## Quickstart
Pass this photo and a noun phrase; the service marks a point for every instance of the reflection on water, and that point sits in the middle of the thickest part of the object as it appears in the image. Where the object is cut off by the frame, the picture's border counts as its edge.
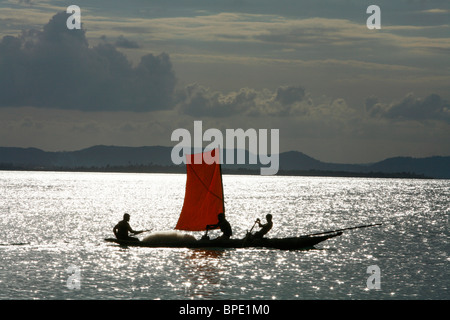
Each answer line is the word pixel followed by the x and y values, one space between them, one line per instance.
pixel 51 221
pixel 203 274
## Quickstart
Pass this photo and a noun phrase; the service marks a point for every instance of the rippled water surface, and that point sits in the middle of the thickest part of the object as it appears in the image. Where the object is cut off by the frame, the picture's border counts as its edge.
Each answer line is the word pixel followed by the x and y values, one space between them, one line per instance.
pixel 53 221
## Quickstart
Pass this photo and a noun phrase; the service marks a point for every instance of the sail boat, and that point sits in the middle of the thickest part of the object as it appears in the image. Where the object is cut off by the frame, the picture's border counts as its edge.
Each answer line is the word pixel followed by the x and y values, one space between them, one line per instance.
pixel 203 201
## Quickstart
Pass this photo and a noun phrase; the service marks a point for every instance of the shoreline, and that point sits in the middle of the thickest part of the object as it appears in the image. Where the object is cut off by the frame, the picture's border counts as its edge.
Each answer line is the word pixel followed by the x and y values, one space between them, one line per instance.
pixel 225 171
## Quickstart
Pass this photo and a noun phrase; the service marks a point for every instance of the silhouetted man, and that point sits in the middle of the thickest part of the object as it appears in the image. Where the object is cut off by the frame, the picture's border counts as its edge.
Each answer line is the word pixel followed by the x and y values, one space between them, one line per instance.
pixel 264 227
pixel 224 226
pixel 123 227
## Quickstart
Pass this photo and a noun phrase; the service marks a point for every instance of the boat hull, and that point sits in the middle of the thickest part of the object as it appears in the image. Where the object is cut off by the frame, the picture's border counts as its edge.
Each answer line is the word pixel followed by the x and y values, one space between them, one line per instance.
pixel 292 243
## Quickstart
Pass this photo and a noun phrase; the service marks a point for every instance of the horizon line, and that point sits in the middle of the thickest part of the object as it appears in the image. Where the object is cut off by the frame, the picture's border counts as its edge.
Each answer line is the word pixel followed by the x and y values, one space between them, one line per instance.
pixel 246 150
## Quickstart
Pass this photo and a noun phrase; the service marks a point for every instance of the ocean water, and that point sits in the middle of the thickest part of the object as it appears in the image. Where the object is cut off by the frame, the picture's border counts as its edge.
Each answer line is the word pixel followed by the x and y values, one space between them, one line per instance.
pixel 53 226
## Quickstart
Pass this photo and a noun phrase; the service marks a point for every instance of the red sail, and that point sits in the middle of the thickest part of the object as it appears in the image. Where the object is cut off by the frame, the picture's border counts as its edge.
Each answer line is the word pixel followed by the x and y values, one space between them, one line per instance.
pixel 203 199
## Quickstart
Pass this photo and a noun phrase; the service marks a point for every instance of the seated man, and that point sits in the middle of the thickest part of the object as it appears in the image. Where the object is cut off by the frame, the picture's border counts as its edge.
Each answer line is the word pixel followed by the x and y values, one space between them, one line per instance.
pixel 264 227
pixel 224 226
pixel 123 227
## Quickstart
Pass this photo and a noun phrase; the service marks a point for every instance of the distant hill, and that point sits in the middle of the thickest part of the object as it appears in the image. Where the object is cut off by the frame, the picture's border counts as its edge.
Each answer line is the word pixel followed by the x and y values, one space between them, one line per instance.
pixel 295 160
pixel 436 167
pixel 98 157
pixel 433 167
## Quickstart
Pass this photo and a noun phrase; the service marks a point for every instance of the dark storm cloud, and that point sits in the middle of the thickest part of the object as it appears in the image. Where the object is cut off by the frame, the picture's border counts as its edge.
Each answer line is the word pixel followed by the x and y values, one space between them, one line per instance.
pixel 56 68
pixel 200 101
pixel 123 42
pixel 290 95
pixel 433 107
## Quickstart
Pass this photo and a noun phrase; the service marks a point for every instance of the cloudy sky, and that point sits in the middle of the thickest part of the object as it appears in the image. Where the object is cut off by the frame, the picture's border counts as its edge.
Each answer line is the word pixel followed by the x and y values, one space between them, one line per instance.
pixel 139 69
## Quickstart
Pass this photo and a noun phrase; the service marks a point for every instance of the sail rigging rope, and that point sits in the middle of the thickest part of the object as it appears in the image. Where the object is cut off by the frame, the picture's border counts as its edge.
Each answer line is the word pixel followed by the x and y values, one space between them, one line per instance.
pixel 204 184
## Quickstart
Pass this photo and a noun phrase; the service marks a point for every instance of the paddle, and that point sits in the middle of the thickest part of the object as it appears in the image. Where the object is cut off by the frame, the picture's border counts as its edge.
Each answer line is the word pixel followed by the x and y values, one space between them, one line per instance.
pixel 139 232
pixel 205 236
pixel 257 220
pixel 339 230
pixel 249 233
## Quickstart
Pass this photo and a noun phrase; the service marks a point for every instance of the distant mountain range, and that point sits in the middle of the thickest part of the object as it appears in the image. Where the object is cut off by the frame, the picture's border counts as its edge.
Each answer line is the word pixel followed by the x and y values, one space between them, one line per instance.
pixel 158 158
